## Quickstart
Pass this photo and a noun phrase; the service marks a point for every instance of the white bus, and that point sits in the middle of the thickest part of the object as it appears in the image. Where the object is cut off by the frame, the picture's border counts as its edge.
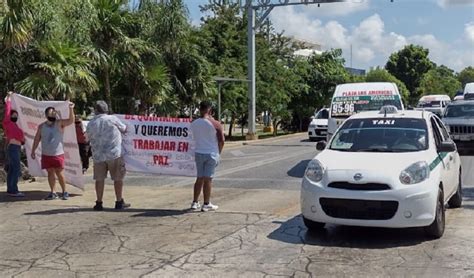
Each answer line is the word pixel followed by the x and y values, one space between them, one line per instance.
pixel 469 91
pixel 352 98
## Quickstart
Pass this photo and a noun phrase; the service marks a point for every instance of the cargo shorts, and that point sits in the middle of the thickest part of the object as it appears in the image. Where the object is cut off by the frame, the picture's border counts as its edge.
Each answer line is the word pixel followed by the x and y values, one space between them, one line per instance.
pixel 115 167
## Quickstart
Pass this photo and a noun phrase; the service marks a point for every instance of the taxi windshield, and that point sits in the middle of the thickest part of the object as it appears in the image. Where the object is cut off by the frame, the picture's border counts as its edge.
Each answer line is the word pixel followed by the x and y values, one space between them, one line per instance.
pixel 381 135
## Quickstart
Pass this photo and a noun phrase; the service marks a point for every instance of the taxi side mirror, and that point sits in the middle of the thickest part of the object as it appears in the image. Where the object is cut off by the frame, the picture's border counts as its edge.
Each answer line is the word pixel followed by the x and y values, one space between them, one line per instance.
pixel 447 146
pixel 321 145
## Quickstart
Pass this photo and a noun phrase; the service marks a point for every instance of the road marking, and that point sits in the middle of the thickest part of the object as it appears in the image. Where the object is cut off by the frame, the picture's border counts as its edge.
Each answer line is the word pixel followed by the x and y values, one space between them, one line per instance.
pixel 237 153
pixel 295 180
pixel 240 168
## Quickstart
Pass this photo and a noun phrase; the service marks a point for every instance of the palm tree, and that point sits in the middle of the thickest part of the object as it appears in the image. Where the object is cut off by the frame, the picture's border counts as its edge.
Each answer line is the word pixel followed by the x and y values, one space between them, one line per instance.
pixel 189 70
pixel 17 23
pixel 63 71
pixel 141 70
pixel 106 36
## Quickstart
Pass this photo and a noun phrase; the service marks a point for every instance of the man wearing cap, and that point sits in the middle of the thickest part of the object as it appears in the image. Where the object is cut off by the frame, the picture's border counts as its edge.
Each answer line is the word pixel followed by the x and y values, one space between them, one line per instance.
pixel 105 136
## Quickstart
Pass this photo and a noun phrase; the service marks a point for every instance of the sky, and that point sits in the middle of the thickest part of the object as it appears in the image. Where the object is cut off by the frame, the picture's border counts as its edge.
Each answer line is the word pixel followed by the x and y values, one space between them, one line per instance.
pixel 377 28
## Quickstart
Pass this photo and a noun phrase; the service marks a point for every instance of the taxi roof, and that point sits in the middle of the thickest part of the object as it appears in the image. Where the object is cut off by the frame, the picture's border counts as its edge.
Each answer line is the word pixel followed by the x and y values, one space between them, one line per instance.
pixel 412 114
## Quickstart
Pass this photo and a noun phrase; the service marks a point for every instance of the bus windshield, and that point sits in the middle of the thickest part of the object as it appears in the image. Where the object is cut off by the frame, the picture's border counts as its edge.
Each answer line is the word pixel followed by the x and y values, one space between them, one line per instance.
pixel 347 106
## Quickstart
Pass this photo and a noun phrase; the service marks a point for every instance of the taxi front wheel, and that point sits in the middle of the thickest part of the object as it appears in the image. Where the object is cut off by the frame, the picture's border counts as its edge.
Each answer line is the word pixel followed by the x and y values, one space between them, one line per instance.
pixel 313 225
pixel 456 200
pixel 436 229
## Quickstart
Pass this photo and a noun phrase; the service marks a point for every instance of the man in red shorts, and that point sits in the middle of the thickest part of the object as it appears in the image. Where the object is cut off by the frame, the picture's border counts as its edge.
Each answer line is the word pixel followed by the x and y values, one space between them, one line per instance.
pixel 50 134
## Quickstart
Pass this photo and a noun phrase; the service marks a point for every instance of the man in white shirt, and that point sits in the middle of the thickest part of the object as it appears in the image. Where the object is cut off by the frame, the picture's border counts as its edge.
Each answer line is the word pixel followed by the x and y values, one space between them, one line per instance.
pixel 105 134
pixel 209 137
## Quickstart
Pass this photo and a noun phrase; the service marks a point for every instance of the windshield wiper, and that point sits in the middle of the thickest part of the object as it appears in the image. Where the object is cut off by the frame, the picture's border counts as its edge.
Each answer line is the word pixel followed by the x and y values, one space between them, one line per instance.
pixel 376 150
pixel 341 150
pixel 405 150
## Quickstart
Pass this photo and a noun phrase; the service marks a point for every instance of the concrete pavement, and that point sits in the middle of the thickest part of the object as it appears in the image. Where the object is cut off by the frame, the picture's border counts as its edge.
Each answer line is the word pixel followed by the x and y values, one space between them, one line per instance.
pixel 257 231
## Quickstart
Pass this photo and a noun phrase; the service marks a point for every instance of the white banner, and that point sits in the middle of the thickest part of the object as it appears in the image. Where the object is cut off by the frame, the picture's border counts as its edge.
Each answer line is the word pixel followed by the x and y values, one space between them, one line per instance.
pixel 159 145
pixel 30 116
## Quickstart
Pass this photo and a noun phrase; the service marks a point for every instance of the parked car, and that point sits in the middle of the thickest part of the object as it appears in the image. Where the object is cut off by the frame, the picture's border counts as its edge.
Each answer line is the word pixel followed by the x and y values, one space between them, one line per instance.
pixel 434 103
pixel 458 96
pixel 459 119
pixel 318 128
pixel 384 169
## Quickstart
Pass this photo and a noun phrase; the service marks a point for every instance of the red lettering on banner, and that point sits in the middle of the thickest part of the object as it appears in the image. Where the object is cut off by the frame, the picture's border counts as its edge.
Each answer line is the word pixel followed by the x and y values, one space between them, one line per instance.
pixel 160 160
pixel 183 147
pixel 129 117
pixel 32 126
pixel 141 144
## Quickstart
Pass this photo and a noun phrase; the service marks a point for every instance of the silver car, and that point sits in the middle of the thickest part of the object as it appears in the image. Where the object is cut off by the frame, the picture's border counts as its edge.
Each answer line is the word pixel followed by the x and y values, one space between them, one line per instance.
pixel 459 119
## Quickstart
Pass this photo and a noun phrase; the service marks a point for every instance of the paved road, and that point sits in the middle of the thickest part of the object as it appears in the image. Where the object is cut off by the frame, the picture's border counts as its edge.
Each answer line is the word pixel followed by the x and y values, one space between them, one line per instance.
pixel 256 233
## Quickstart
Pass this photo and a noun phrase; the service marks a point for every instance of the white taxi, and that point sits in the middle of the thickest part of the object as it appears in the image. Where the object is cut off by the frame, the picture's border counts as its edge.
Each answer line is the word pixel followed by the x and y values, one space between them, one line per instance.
pixel 390 168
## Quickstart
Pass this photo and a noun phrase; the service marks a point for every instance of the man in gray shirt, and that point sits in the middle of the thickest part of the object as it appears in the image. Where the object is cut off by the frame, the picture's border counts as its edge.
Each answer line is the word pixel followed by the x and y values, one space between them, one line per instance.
pixel 105 135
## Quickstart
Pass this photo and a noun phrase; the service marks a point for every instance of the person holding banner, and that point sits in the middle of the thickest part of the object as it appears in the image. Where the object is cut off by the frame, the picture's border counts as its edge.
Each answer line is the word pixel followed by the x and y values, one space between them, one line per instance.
pixel 105 136
pixel 209 138
pixel 15 138
pixel 50 134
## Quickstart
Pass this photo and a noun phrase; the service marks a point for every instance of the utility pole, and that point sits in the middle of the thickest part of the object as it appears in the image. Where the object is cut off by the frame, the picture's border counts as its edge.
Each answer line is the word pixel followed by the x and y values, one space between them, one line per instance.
pixel 252 130
pixel 253 23
pixel 351 55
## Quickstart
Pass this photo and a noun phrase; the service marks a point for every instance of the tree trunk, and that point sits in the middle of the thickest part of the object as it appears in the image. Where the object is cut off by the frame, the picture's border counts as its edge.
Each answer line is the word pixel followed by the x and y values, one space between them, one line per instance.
pixel 301 123
pixel 275 127
pixel 108 95
pixel 231 125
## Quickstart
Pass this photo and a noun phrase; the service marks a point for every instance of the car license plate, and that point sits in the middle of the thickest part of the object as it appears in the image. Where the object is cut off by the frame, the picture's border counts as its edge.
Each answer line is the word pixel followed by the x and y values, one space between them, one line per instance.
pixel 323 132
pixel 465 138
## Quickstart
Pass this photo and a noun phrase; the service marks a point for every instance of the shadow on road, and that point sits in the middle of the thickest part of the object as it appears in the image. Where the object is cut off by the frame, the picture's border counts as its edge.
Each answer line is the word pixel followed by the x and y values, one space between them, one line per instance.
pixel 468 194
pixel 297 171
pixel 35 195
pixel 293 231
pixel 140 212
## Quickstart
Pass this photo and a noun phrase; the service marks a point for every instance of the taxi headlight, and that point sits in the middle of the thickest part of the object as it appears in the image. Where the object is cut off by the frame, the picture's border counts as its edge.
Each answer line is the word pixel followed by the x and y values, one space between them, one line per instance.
pixel 314 171
pixel 415 173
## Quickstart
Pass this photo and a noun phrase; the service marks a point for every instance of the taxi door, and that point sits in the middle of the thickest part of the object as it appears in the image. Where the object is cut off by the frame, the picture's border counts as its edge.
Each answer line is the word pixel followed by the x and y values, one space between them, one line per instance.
pixel 448 161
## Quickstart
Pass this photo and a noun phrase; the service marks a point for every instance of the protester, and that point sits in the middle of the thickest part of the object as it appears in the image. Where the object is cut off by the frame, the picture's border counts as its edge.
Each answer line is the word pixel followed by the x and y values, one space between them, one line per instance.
pixel 83 143
pixel 50 134
pixel 15 138
pixel 105 136
pixel 209 137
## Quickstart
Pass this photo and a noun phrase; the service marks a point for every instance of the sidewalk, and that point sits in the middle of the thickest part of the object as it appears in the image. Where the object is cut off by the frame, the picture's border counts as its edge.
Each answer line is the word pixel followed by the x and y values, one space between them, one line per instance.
pixel 60 238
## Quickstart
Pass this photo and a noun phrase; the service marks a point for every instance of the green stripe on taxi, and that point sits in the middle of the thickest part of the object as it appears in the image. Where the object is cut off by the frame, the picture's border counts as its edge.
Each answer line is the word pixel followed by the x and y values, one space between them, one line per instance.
pixel 437 160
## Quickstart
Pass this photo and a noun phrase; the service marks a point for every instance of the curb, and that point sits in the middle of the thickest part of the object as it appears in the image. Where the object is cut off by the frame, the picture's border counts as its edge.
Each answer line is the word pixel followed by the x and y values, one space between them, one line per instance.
pixel 271 139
